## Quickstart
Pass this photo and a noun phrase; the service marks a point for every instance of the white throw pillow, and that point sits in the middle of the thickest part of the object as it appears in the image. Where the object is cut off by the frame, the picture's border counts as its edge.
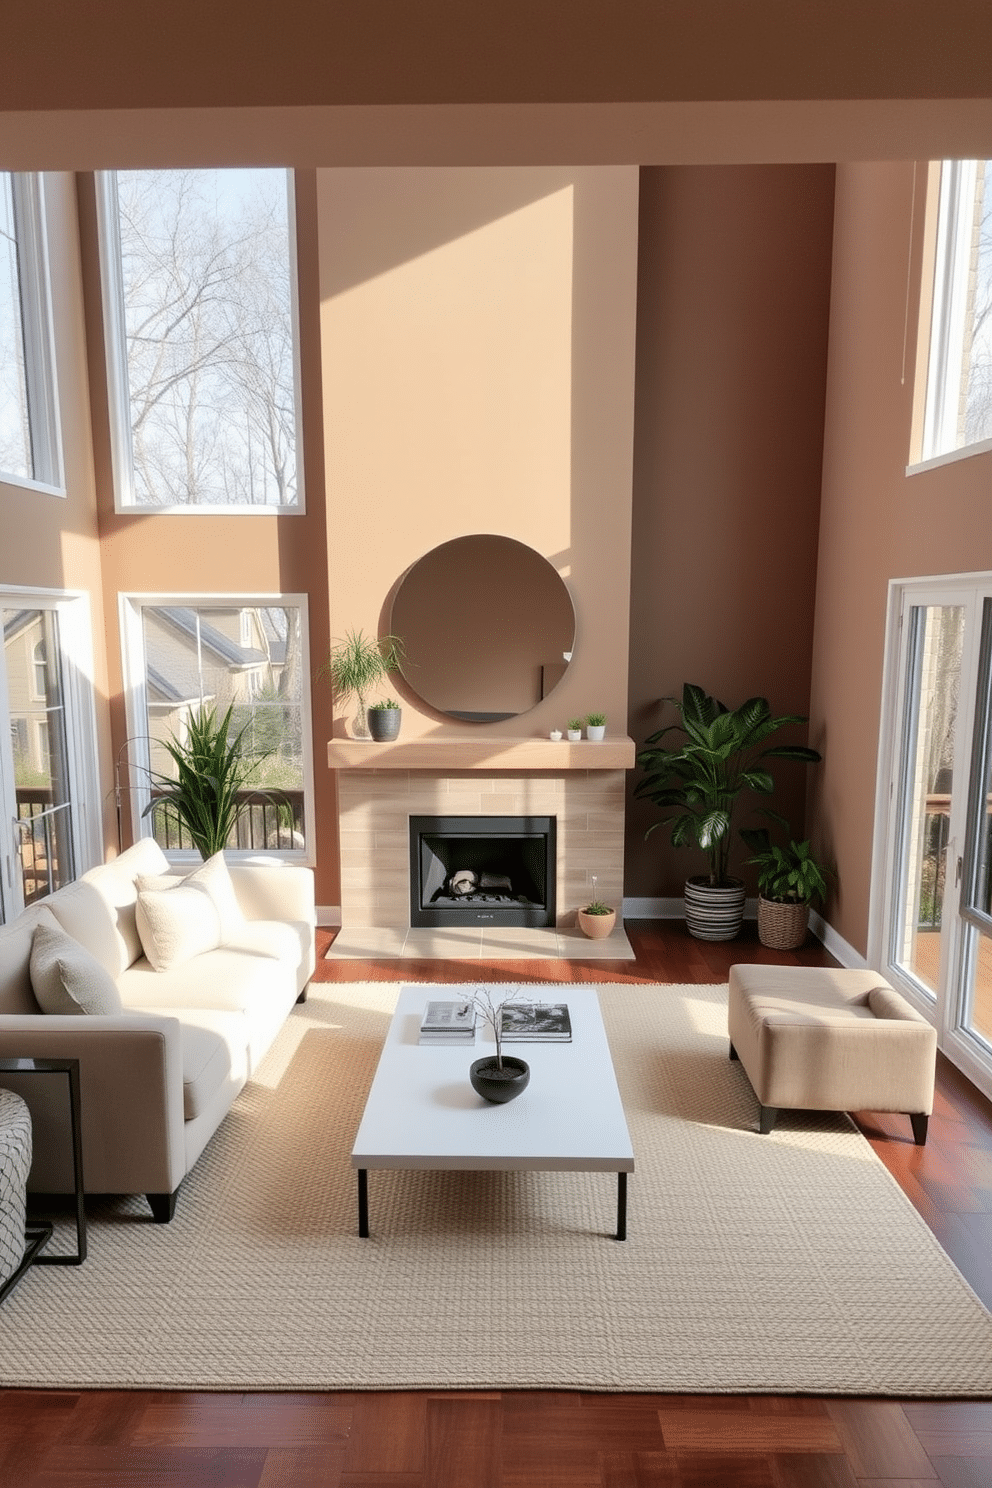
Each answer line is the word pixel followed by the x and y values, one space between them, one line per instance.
pixel 214 878
pixel 66 978
pixel 176 924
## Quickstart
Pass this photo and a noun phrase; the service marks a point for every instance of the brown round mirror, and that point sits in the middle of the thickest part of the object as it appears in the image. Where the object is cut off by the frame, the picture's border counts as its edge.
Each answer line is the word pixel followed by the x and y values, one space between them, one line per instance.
pixel 487 625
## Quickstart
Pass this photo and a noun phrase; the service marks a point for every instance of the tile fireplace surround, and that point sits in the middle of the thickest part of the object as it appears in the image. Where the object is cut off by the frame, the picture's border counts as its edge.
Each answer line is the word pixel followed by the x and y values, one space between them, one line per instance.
pixel 380 786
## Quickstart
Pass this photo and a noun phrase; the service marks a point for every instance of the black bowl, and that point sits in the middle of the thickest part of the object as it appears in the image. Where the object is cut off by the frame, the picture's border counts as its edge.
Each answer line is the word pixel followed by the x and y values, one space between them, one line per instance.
pixel 499 1085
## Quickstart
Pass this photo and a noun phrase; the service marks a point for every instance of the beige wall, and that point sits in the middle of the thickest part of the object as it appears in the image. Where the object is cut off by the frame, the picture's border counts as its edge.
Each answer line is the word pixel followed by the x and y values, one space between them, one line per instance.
pixel 214 554
pixel 52 542
pixel 733 294
pixel 478 351
pixel 877 523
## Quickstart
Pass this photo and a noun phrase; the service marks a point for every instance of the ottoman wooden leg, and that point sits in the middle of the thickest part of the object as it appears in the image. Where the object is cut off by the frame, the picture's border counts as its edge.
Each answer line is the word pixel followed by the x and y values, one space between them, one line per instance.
pixel 920 1120
pixel 769 1116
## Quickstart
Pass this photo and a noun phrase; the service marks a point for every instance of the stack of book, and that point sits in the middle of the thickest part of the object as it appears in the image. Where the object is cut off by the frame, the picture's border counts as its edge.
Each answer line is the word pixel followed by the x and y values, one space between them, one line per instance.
pixel 448 1023
pixel 536 1023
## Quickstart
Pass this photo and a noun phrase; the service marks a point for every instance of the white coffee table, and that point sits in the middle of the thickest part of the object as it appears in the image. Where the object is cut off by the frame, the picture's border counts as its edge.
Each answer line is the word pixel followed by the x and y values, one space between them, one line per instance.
pixel 422 1112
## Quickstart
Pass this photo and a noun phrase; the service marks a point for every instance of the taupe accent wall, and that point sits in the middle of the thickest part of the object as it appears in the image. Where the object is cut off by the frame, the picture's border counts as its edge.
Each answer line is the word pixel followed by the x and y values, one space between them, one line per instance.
pixel 733 300
pixel 877 522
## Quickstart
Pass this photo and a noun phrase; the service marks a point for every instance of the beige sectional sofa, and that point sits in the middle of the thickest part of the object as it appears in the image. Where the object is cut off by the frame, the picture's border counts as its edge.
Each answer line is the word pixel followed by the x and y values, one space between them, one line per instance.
pixel 158 1075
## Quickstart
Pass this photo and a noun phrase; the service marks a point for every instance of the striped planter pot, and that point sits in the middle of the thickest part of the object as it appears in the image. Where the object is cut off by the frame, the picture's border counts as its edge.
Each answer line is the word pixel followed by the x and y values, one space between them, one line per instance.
pixel 714 913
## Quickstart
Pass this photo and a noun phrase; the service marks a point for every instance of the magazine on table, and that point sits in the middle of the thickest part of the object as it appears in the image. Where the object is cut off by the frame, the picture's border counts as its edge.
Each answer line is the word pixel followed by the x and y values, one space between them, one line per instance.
pixel 448 1022
pixel 536 1022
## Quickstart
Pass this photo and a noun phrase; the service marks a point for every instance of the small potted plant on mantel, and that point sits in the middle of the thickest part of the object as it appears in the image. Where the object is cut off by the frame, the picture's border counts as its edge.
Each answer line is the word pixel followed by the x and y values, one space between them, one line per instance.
pixel 384 720
pixel 789 879
pixel 575 729
pixel 596 727
pixel 359 664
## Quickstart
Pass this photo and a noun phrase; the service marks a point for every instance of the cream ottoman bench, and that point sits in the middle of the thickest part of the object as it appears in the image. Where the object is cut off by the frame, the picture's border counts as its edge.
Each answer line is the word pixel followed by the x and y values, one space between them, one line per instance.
pixel 817 1038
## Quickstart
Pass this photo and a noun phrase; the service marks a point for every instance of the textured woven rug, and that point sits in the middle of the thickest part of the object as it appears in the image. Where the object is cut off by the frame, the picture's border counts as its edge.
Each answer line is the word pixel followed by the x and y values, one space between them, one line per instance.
pixel 784 1263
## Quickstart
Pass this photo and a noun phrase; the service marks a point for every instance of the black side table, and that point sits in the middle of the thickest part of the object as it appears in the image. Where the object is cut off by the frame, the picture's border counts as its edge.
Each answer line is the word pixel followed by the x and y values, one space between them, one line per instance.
pixel 70 1069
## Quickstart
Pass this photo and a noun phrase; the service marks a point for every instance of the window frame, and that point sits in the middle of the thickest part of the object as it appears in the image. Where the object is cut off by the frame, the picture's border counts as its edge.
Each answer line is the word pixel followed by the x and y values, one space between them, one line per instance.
pixel 75 632
pixel 38 332
pixel 944 323
pixel 133 757
pixel 118 391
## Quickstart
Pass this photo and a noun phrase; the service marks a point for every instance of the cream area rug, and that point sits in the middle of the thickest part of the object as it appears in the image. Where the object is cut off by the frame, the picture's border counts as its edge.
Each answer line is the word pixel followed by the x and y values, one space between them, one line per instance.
pixel 783 1263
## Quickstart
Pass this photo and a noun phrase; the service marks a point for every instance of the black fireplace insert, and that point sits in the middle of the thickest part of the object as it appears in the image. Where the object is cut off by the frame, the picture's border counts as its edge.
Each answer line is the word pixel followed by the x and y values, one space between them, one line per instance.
pixel 482 870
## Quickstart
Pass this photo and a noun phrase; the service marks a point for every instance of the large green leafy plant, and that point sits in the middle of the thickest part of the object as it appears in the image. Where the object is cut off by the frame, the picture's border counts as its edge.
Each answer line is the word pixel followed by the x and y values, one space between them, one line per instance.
pixel 699 777
pixel 212 769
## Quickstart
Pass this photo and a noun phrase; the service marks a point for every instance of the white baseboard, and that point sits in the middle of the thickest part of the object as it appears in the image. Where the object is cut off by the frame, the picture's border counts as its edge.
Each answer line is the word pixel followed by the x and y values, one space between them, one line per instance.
pixel 835 943
pixel 328 914
pixel 671 909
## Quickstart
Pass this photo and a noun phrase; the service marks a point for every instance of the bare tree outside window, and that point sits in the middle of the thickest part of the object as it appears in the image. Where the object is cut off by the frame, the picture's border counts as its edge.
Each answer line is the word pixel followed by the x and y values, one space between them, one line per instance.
pixel 208 324
pixel 978 338
pixel 15 429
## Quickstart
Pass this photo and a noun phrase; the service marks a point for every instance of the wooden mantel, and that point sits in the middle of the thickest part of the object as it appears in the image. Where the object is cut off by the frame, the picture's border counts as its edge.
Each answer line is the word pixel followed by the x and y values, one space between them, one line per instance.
pixel 490 756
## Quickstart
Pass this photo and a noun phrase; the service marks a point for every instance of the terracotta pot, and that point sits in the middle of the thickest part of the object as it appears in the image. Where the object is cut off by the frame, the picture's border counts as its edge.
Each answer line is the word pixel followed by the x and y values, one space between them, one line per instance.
pixel 597 926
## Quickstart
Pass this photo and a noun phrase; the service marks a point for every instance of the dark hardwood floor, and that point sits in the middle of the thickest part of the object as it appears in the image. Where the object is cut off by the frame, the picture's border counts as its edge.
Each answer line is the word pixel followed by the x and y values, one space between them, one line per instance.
pixel 533 1439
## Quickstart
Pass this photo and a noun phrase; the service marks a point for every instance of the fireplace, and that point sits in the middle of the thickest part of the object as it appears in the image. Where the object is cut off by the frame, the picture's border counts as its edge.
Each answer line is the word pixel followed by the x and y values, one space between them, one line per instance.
pixel 482 870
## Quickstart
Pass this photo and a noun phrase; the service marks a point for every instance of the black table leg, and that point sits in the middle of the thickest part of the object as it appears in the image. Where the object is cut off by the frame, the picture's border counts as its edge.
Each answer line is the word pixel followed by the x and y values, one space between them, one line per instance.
pixel 363 1203
pixel 621 1206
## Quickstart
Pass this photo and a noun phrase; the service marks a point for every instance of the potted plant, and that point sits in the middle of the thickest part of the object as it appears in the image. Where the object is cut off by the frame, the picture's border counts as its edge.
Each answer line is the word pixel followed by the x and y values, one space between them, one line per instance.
pixel 596 919
pixel 357 665
pixel 384 720
pixel 497 1077
pixel 575 729
pixel 789 879
pixel 596 726
pixel 699 779
pixel 206 796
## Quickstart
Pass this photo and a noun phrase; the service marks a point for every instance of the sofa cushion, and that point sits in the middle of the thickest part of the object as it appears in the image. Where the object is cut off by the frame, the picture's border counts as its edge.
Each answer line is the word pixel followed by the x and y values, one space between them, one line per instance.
pixel 215 880
pixel 284 942
pixel 120 943
pixel 65 977
pixel 224 980
pixel 176 924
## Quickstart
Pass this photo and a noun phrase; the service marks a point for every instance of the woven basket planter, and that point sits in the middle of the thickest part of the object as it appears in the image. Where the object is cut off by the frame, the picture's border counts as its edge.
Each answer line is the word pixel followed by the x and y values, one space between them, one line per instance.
pixel 782 927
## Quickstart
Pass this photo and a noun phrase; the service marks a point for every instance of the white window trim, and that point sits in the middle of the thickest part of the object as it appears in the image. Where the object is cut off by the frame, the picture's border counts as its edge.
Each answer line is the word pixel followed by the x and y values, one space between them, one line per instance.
pixel 118 391
pixel 76 645
pixel 952 265
pixel 39 338
pixel 136 712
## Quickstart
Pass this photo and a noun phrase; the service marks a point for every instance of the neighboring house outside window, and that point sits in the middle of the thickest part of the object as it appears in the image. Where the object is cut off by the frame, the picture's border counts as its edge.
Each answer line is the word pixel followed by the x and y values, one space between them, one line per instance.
pixel 200 325
pixel 30 447
pixel 184 656
pixel 958 407
pixel 48 782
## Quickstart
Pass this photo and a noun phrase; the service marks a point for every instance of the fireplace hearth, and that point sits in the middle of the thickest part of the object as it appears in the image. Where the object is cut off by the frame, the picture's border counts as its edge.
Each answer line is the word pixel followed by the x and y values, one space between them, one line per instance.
pixel 482 870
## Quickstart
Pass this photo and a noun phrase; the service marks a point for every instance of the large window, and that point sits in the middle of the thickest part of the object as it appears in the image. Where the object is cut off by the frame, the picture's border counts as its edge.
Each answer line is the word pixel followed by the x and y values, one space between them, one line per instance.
pixel 185 654
pixel 29 441
pixel 958 412
pixel 199 295
pixel 49 794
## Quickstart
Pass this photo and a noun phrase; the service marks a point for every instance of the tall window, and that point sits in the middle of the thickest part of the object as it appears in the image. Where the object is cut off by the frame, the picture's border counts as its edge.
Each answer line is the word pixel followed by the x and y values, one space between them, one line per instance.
pixel 958 413
pixel 29 441
pixel 199 293
pixel 49 793
pixel 185 655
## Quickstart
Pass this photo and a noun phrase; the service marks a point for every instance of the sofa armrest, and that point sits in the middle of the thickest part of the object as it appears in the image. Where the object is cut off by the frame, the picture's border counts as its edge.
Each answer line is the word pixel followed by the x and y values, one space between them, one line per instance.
pixel 280 891
pixel 131 1097
pixel 274 891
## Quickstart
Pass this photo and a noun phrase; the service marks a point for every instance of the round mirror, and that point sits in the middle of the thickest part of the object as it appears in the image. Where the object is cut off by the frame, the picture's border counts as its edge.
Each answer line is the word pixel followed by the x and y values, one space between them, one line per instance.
pixel 487 625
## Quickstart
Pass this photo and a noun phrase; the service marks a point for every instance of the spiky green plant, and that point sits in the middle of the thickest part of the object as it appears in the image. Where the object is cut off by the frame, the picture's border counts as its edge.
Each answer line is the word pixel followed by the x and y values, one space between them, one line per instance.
pixel 211 770
pixel 698 780
pixel 360 663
